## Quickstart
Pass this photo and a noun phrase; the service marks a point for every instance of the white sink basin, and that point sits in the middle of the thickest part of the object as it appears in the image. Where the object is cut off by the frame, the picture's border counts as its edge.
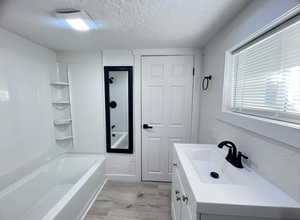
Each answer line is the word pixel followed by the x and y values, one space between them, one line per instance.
pixel 207 160
pixel 241 192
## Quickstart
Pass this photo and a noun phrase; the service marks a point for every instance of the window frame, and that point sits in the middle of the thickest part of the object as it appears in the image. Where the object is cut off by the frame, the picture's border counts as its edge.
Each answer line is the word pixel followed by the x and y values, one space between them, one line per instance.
pixel 286 132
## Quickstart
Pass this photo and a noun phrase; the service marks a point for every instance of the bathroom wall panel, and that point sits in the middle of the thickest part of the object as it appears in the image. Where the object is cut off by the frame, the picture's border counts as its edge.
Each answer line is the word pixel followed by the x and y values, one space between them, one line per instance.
pixel 26 128
pixel 276 161
pixel 87 95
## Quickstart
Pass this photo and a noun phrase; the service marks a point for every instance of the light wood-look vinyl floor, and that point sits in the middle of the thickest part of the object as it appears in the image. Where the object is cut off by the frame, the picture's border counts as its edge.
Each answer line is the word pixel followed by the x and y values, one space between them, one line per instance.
pixel 132 201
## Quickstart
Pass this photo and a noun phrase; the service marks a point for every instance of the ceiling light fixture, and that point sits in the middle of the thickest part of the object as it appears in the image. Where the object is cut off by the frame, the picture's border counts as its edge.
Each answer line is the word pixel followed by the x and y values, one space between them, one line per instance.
pixel 78 24
pixel 79 20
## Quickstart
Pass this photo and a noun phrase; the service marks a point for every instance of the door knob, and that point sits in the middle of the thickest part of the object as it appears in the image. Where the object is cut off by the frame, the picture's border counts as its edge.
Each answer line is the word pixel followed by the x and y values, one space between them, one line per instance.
pixel 146 126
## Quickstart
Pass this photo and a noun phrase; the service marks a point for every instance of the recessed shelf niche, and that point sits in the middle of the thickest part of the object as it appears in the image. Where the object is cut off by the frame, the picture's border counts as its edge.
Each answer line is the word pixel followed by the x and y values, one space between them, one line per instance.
pixel 61 103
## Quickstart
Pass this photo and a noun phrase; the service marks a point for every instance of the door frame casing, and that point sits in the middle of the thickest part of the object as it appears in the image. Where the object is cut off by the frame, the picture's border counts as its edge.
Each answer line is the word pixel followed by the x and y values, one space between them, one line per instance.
pixel 137 88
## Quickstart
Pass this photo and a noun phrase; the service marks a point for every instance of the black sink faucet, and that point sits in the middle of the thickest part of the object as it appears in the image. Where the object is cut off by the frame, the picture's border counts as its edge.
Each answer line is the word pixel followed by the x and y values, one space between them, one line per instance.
pixel 233 157
pixel 238 162
pixel 232 152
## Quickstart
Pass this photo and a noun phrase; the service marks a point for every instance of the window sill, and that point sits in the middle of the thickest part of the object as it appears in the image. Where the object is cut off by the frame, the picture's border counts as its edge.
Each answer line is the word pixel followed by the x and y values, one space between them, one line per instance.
pixel 284 132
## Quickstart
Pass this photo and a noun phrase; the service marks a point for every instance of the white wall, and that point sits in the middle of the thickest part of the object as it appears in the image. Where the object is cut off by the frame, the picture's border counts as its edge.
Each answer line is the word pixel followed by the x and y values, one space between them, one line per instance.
pixel 276 161
pixel 117 58
pixel 87 100
pixel 26 128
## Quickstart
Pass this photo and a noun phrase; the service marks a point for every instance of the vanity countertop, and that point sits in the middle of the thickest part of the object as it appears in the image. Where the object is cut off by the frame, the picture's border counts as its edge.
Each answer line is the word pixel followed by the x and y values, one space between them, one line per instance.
pixel 240 192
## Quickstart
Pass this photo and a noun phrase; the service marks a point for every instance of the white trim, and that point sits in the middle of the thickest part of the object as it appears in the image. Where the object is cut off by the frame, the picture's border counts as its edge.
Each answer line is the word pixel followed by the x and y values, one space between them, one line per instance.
pixel 167 52
pixel 138 53
pixel 137 115
pixel 122 177
pixel 281 131
pixel 196 98
pixel 287 133
pixel 102 87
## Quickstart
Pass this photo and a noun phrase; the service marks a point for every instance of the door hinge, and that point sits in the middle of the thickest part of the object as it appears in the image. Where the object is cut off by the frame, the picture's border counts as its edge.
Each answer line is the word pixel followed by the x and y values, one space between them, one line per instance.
pixel 193 71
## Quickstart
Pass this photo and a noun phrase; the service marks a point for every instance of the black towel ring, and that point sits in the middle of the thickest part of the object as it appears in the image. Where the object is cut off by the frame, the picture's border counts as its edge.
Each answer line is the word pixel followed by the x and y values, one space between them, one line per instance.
pixel 205 82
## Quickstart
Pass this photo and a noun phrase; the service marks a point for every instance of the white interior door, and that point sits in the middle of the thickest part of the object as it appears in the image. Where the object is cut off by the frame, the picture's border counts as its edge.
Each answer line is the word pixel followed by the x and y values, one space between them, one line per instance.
pixel 167 85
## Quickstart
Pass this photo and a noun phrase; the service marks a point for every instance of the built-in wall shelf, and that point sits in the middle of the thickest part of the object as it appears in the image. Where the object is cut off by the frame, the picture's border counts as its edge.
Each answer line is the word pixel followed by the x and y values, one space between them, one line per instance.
pixel 62 122
pixel 61 102
pixel 59 84
pixel 64 138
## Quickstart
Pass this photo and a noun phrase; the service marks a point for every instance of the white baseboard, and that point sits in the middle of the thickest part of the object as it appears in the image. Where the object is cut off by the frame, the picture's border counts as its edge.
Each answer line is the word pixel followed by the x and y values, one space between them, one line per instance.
pixel 122 177
pixel 91 202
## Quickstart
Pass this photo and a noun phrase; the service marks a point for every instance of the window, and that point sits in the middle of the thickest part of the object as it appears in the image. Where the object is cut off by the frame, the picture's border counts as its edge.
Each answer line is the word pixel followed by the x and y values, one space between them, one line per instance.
pixel 266 75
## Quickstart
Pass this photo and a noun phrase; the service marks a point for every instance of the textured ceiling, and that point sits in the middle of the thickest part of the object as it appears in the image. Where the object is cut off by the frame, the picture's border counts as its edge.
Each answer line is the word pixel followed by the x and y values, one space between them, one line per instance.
pixel 121 23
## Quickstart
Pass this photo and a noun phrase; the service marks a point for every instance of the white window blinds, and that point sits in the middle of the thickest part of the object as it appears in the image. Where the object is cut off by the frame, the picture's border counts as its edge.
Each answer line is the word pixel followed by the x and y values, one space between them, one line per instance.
pixel 267 76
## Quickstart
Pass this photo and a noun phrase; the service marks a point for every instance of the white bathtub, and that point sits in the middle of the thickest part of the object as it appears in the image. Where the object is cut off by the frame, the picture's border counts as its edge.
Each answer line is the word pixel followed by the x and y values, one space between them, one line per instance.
pixel 62 189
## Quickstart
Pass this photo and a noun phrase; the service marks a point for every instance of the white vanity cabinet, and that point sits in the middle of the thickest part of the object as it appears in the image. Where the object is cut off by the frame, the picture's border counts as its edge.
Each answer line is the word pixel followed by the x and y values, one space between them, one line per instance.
pixel 196 196
pixel 183 202
pixel 183 210
pixel 176 197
